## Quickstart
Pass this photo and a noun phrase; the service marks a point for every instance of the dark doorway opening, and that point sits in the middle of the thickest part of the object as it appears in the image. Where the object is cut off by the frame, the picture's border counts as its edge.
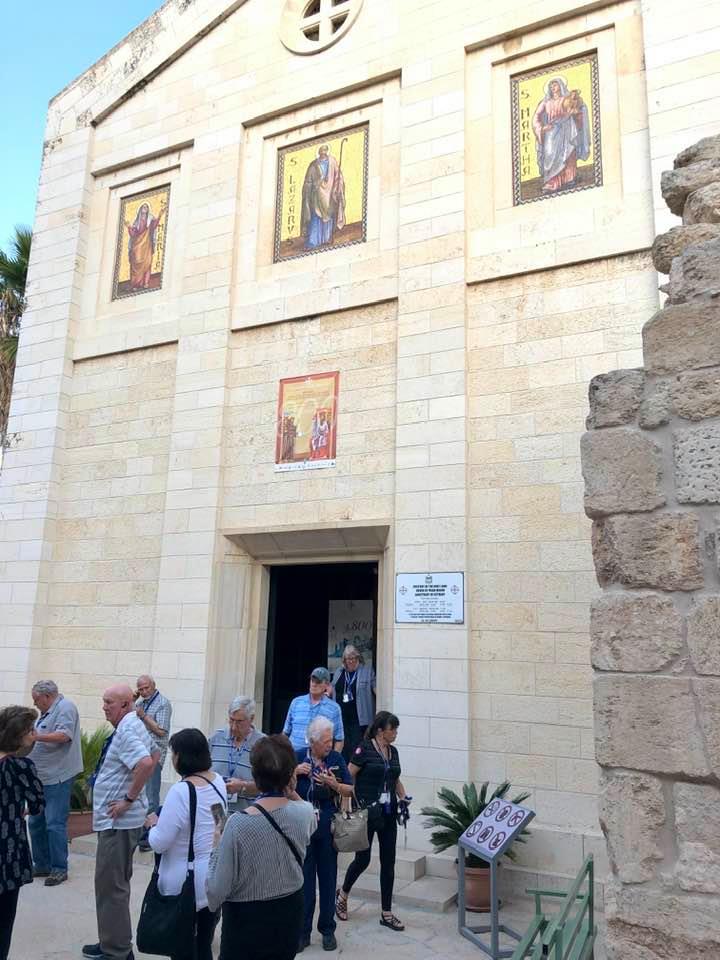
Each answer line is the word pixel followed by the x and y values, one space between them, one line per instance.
pixel 314 608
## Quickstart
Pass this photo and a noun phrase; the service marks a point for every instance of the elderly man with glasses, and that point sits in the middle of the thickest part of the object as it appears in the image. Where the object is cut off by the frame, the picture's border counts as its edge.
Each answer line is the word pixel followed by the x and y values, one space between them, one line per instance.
pixel 230 752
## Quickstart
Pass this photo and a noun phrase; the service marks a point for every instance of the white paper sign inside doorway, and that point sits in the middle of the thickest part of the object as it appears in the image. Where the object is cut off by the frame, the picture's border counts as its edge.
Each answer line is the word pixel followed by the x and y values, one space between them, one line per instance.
pixel 350 621
pixel 430 598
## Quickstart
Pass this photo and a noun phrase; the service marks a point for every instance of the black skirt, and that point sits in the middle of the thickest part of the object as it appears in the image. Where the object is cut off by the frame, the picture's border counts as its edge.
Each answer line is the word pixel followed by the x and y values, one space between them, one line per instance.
pixel 262 929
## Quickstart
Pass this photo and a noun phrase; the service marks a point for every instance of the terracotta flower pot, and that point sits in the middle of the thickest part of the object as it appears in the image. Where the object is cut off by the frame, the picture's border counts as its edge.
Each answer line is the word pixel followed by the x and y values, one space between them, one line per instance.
pixel 477 889
pixel 79 824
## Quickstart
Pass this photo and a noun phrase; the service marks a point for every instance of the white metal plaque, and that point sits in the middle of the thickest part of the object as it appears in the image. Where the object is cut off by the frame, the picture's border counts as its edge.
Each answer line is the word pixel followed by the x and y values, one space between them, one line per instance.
pixel 495 829
pixel 429 598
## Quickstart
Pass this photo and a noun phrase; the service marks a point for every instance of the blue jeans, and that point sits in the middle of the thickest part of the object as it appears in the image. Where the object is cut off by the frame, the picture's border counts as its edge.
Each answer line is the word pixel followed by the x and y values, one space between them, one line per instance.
pixel 320 861
pixel 48 830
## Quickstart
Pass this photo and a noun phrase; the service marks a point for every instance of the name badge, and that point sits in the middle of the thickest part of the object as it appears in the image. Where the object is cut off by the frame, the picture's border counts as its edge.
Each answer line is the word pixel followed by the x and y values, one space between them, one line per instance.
pixel 346 698
pixel 385 797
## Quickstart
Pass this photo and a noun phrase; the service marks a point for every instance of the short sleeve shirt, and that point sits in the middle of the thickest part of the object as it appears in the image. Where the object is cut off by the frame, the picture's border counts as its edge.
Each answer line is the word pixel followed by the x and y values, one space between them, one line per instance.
pixel 159 709
pixel 233 761
pixel 302 711
pixel 57 762
pixel 374 775
pixel 130 743
pixel 323 798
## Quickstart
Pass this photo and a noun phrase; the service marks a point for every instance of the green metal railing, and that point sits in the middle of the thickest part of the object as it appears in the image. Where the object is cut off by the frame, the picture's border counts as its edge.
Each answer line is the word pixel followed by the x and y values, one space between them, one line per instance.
pixel 570 933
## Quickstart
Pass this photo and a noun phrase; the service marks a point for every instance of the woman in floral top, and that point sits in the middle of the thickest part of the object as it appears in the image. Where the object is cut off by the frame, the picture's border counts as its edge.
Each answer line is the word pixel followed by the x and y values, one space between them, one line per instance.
pixel 20 793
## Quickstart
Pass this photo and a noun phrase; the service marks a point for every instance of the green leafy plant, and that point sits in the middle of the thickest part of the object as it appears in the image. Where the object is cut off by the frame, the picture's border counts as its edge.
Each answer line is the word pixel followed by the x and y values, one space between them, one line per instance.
pixel 457 813
pixel 92 744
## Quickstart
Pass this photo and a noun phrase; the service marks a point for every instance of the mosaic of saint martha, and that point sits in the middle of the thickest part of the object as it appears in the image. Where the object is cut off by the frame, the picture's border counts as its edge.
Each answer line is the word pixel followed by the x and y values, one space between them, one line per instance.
pixel 556 130
pixel 321 194
pixel 140 252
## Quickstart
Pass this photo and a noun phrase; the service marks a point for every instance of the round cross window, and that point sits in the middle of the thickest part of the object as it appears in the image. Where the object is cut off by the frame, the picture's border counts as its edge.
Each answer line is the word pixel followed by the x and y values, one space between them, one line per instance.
pixel 309 26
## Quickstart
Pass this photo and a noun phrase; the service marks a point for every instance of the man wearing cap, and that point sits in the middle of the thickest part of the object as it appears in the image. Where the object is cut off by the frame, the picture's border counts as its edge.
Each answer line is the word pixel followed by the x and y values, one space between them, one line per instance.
pixel 311 705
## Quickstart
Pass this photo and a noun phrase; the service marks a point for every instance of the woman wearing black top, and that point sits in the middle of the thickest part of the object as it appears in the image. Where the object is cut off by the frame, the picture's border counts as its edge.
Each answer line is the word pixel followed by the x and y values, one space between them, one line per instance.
pixel 375 767
pixel 20 792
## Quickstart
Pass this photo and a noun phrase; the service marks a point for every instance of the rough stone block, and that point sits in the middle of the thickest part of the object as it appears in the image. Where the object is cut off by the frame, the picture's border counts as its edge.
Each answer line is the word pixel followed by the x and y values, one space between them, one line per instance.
pixel 706 149
pixel 637 941
pixel 694 275
pixel 635 633
pixel 632 815
pixel 656 408
pixel 669 245
pixel 622 469
pixel 678 184
pixel 615 397
pixel 649 724
pixel 703 206
pixel 695 396
pixel 682 337
pixel 707 694
pixel 703 636
pixel 696 452
pixel 697 817
pixel 661 551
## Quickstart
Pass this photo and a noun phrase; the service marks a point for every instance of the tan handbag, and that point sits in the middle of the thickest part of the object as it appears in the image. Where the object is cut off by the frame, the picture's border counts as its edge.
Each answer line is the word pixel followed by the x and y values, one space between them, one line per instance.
pixel 350 829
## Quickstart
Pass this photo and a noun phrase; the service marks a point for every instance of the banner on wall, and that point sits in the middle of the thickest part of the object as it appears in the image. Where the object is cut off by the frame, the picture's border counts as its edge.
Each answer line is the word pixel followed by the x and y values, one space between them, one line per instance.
pixel 350 621
pixel 307 422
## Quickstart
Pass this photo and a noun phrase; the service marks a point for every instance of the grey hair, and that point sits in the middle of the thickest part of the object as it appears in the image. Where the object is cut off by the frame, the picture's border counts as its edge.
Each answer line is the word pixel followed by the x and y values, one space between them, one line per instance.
pixel 47 687
pixel 351 648
pixel 243 703
pixel 317 727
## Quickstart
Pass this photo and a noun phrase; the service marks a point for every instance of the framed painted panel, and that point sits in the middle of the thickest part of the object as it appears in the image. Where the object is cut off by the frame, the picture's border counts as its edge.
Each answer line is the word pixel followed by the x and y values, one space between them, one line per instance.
pixel 307 422
pixel 556 146
pixel 141 241
pixel 321 194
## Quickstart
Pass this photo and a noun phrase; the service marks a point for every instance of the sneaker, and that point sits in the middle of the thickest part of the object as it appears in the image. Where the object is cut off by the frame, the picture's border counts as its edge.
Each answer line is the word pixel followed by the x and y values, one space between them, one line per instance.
pixel 303 942
pixel 56 877
pixel 40 872
pixel 144 846
pixel 329 941
pixel 93 950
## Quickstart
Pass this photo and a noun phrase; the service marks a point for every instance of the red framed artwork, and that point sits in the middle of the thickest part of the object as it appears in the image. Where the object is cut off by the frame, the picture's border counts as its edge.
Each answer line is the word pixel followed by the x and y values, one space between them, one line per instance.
pixel 306 435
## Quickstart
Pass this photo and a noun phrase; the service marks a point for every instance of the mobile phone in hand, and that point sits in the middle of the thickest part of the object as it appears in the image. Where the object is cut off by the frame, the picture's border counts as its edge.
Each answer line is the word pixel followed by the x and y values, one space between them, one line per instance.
pixel 219 815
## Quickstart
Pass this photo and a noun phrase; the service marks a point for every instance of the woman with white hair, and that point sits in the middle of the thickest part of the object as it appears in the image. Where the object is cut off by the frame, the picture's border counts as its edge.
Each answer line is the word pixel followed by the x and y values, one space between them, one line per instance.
pixel 322 778
pixel 353 687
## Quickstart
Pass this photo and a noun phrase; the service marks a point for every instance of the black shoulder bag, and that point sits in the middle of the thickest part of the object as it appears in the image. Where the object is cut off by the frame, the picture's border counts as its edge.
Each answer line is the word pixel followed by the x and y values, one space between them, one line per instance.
pixel 167 924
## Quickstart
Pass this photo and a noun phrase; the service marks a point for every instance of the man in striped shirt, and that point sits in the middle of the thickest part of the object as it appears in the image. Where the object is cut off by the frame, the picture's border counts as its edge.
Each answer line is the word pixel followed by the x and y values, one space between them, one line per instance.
pixel 314 704
pixel 155 711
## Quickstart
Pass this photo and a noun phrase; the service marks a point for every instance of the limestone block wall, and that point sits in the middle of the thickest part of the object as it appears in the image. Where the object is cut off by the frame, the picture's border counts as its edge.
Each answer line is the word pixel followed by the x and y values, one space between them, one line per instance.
pixel 651 462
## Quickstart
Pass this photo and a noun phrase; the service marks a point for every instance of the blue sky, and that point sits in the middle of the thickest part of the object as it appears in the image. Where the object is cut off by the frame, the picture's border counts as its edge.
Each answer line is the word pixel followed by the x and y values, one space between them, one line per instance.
pixel 44 44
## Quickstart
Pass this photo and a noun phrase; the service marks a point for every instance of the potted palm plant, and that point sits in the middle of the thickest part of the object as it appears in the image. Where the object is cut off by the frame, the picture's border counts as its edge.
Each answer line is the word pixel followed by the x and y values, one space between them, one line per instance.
pixel 450 821
pixel 80 819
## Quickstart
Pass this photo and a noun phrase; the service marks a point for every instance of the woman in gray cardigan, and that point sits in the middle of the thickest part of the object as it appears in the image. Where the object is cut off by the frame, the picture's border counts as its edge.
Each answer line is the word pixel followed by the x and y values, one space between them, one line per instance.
pixel 353 687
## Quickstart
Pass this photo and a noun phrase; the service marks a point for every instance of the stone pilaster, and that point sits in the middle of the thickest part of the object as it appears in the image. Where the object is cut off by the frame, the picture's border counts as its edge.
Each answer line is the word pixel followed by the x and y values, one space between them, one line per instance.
pixel 651 462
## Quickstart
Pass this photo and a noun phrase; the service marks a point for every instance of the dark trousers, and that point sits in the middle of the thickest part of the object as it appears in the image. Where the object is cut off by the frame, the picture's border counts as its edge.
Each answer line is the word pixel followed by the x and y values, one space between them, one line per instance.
pixel 353 735
pixel 113 872
pixel 385 827
pixel 262 929
pixel 320 862
pixel 204 935
pixel 8 907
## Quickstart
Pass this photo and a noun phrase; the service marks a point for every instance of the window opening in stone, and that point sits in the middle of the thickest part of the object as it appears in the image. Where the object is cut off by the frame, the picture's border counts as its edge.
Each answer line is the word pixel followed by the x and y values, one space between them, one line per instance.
pixel 338 22
pixel 313 8
pixel 312 33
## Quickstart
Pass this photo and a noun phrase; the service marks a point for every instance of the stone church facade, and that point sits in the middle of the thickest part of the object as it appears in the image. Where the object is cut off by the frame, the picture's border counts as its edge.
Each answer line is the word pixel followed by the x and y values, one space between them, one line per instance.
pixel 322 285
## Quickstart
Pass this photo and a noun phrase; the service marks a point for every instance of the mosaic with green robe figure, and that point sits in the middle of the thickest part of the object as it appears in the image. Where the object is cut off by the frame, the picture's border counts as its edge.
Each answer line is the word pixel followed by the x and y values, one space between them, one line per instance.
pixel 321 201
pixel 556 130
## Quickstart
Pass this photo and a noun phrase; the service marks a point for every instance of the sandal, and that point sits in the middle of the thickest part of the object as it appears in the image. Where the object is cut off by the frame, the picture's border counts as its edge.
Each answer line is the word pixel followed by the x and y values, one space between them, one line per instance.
pixel 391 921
pixel 341 904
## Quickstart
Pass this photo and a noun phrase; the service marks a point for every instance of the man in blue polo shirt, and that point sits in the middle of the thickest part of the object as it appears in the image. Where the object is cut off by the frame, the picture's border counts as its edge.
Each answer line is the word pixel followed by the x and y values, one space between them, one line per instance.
pixel 306 708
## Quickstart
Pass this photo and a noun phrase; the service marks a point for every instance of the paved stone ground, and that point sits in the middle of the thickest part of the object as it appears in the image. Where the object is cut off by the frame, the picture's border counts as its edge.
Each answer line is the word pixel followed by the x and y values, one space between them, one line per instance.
pixel 53 924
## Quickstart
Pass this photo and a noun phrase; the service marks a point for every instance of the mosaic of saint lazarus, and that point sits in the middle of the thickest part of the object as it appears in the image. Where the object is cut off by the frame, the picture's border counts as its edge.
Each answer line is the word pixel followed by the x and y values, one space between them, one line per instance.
pixel 140 252
pixel 321 198
pixel 556 130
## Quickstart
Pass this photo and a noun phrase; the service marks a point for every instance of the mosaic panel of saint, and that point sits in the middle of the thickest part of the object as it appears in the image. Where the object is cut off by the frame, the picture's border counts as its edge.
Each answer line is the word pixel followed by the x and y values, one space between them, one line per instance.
pixel 140 251
pixel 556 130
pixel 321 201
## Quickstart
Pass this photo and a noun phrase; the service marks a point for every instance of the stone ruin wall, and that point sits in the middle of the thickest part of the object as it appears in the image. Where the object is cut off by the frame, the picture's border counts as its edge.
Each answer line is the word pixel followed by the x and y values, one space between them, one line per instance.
pixel 651 463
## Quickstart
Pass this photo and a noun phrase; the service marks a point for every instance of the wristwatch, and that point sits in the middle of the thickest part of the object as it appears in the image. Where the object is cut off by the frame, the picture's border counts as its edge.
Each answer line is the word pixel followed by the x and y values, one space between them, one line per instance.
pixel 128 799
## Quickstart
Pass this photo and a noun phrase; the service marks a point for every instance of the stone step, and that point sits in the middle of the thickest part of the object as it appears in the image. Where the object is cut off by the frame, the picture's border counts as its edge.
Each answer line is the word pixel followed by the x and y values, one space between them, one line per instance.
pixel 409 864
pixel 441 865
pixel 434 894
